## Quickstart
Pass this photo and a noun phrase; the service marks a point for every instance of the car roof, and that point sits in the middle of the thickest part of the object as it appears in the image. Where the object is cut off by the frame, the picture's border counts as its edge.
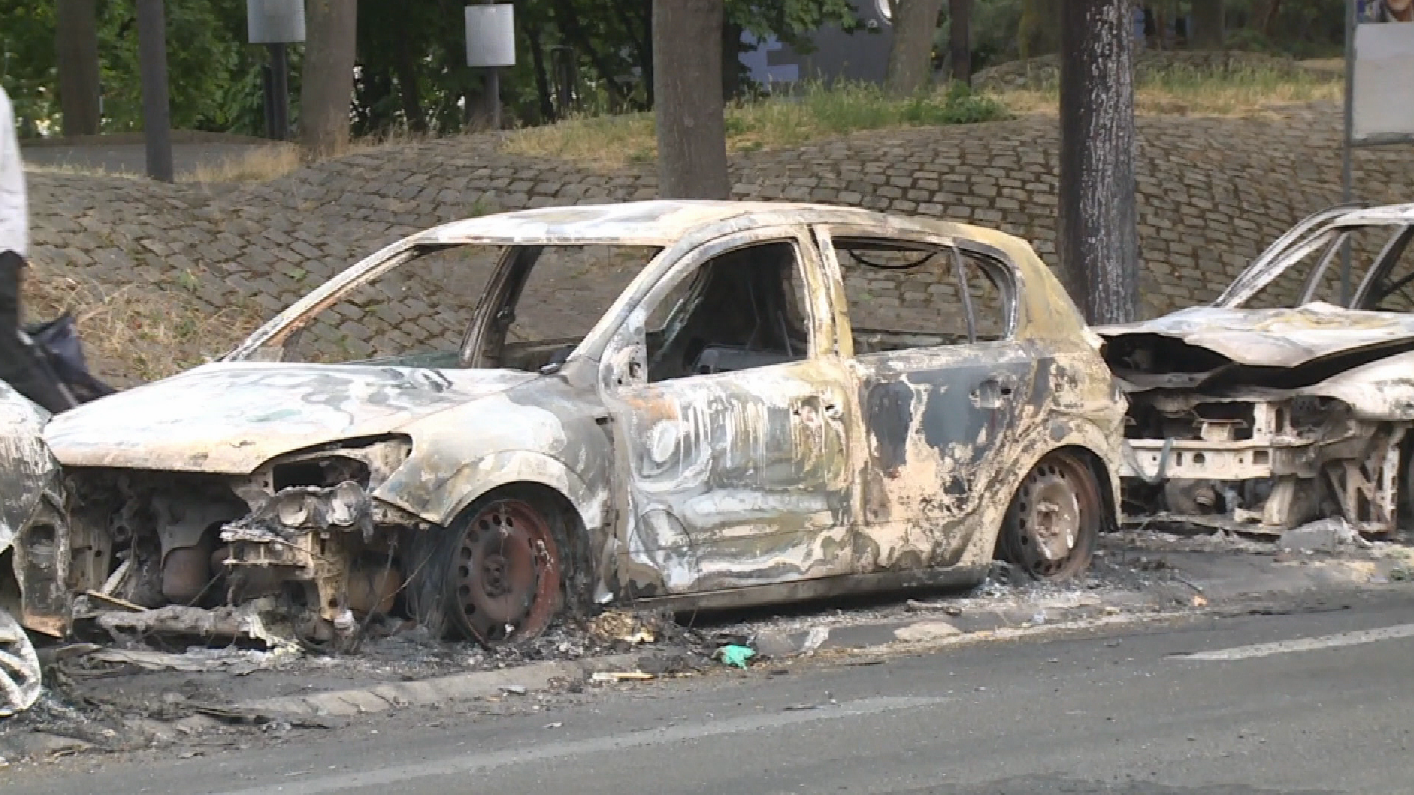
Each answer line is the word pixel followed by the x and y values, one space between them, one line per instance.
pixel 1385 214
pixel 663 222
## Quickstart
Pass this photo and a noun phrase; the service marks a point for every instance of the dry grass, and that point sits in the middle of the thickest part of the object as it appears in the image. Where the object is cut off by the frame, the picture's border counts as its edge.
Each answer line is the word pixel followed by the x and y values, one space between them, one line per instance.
pixel 608 142
pixel 74 169
pixel 137 333
pixel 256 164
pixel 1189 92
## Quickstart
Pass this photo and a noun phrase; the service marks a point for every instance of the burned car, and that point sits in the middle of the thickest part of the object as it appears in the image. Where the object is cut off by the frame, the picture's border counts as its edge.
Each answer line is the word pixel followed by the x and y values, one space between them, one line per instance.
pixel 785 401
pixel 1289 398
pixel 33 586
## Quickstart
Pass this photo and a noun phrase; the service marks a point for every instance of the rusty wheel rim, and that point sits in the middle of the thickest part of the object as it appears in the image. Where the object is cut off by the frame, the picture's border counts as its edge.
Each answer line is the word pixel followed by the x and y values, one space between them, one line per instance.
pixel 19 668
pixel 1056 506
pixel 505 577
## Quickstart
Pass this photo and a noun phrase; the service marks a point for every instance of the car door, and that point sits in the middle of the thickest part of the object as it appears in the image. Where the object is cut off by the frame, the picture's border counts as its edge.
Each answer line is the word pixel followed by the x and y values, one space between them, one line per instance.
pixel 940 385
pixel 730 410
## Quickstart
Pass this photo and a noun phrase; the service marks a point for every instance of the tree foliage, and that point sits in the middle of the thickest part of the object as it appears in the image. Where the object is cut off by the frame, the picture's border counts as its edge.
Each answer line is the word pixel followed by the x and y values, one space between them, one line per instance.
pixel 412 69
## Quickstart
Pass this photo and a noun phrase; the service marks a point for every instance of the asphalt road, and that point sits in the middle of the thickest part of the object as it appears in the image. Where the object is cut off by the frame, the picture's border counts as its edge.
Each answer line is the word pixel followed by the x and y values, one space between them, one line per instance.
pixel 1309 702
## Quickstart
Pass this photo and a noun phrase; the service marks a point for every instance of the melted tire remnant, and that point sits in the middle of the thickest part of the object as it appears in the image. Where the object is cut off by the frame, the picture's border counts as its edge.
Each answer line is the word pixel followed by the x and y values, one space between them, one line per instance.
pixel 1054 520
pixel 505 582
pixel 19 668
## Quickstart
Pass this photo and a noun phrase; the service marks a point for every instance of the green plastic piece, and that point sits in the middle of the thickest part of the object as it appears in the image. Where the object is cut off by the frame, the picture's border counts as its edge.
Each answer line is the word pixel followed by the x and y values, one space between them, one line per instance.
pixel 736 655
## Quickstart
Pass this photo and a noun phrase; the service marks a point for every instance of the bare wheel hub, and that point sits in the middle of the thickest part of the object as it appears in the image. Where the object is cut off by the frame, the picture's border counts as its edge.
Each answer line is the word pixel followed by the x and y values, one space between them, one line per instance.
pixel 19 668
pixel 505 580
pixel 1053 506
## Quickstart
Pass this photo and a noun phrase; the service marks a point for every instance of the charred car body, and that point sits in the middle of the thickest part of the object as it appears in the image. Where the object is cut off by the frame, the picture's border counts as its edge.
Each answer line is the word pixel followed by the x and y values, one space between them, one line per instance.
pixel 33 560
pixel 1289 398
pixel 723 435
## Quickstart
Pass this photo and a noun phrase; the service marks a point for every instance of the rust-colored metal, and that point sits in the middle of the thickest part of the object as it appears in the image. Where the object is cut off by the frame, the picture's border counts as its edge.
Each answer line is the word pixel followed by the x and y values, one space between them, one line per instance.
pixel 506 577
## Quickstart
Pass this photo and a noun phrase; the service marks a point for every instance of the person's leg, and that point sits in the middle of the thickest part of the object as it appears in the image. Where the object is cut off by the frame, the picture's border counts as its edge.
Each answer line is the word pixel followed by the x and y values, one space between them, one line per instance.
pixel 18 367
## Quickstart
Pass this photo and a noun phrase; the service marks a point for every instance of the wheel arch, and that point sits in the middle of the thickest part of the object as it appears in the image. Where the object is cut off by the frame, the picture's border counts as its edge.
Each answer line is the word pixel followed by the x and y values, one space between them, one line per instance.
pixel 1088 446
pixel 471 481
pixel 576 555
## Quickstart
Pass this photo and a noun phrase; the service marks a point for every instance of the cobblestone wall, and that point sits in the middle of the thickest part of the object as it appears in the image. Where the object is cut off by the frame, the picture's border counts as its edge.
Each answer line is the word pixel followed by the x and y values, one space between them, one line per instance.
pixel 1212 193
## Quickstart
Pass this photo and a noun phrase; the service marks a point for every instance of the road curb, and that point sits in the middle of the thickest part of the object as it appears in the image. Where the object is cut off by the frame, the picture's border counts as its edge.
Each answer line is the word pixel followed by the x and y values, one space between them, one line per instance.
pixel 1199 582
pixel 441 689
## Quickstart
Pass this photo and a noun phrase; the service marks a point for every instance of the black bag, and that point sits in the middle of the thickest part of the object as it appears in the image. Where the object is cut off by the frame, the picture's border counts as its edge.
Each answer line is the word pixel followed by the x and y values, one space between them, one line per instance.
pixel 60 357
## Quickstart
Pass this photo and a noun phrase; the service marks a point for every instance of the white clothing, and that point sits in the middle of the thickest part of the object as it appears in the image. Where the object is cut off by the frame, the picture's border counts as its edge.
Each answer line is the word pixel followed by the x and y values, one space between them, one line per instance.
pixel 14 212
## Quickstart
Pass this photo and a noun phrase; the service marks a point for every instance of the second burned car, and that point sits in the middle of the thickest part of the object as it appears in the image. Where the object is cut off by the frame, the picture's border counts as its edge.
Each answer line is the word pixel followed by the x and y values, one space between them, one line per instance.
pixel 785 401
pixel 1289 398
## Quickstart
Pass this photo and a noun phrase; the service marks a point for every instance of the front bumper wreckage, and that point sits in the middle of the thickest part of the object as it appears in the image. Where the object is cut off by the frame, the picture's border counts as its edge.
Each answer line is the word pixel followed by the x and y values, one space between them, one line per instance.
pixel 302 541
pixel 1283 464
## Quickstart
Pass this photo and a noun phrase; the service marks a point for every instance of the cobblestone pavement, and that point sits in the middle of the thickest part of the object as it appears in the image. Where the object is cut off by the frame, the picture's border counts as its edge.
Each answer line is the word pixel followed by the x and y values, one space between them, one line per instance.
pixel 1212 193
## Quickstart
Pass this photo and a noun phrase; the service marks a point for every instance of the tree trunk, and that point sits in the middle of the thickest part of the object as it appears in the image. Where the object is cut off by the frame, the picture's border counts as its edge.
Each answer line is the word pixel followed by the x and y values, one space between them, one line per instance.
pixel 911 56
pixel 1207 25
pixel 408 88
pixel 1269 16
pixel 1039 29
pixel 960 40
pixel 1099 249
pixel 77 43
pixel 687 86
pixel 326 87
pixel 731 61
pixel 542 77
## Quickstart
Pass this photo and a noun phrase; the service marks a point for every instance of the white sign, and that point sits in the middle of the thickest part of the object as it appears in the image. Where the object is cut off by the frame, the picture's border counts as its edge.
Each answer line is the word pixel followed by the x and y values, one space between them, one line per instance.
pixel 1382 102
pixel 491 35
pixel 275 21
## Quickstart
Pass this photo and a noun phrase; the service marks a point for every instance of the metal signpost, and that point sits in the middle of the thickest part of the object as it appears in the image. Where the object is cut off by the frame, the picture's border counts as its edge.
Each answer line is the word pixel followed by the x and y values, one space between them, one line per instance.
pixel 491 45
pixel 1379 96
pixel 276 24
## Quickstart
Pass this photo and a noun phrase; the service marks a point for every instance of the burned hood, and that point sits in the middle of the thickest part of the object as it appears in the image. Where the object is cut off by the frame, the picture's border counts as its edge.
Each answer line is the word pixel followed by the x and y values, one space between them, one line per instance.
pixel 1272 337
pixel 230 417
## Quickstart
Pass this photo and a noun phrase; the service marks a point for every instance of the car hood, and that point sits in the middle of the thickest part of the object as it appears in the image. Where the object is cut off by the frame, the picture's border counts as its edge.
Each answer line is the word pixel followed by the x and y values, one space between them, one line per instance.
pixel 1274 337
pixel 231 417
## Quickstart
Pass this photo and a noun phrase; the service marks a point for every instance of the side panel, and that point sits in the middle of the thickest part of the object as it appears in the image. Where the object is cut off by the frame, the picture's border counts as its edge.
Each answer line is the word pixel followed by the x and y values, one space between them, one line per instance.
pixel 943 427
pixel 737 479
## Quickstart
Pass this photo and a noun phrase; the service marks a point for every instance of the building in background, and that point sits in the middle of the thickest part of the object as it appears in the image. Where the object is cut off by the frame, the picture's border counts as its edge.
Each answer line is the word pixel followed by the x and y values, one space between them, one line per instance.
pixel 838 55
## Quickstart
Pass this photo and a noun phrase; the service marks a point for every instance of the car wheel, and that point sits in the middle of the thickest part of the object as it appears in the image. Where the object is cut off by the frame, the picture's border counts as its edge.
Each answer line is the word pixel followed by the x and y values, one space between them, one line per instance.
pixel 505 583
pixel 1054 519
pixel 19 668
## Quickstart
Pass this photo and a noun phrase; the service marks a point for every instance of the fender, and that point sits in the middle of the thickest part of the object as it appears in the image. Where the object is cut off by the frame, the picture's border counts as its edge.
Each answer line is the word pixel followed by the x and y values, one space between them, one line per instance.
pixel 470 481
pixel 1057 435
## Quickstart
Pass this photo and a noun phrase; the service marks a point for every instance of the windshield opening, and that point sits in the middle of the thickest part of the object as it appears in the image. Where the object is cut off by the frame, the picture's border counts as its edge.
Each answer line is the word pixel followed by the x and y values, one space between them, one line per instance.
pixel 1311 270
pixel 418 313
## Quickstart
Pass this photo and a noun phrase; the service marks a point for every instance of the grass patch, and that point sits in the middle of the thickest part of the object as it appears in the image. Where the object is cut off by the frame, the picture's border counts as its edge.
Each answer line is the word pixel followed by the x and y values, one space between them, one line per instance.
pixel 1188 91
pixel 77 170
pixel 255 164
pixel 138 333
pixel 818 111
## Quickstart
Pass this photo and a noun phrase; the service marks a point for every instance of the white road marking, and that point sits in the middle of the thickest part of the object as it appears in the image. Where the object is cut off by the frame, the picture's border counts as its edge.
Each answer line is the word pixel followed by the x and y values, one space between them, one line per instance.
pixel 1304 644
pixel 391 776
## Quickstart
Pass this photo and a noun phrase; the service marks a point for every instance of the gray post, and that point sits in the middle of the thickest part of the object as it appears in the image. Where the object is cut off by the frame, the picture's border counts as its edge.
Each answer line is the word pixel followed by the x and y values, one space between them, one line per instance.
pixel 280 90
pixel 152 63
pixel 1346 155
pixel 493 91
pixel 493 97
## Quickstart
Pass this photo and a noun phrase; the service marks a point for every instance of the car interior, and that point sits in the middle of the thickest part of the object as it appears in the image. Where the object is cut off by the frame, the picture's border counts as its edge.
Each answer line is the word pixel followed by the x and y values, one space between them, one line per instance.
pixel 738 311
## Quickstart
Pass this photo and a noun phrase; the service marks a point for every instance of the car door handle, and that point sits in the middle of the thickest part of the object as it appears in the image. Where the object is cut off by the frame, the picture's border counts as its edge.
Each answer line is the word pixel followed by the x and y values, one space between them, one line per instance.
pixel 829 408
pixel 991 392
